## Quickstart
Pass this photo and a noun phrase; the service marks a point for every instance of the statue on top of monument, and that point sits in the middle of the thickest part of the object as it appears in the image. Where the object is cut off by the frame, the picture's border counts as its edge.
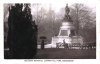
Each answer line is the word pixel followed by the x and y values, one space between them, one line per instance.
pixel 67 10
pixel 67 16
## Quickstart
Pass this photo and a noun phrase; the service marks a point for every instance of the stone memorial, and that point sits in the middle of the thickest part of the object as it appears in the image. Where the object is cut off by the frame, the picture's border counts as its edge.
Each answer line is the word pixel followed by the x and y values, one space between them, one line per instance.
pixel 67 32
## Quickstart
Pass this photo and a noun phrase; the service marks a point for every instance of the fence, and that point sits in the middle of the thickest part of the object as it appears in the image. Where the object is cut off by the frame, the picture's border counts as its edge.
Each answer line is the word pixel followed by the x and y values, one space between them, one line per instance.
pixel 75 46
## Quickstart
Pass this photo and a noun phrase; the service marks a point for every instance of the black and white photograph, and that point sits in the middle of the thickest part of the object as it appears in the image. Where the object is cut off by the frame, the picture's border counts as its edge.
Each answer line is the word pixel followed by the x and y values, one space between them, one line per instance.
pixel 49 31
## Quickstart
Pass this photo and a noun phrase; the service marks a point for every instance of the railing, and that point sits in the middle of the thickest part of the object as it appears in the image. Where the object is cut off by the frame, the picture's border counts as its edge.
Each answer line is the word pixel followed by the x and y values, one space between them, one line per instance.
pixel 62 45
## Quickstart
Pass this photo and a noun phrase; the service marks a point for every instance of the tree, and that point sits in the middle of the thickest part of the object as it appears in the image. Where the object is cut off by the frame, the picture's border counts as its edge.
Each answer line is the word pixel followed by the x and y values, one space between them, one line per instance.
pixel 45 22
pixel 22 34
pixel 84 21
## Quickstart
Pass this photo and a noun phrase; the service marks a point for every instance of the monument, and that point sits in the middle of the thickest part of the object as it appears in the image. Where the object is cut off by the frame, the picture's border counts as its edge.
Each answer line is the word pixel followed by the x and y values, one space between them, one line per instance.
pixel 67 33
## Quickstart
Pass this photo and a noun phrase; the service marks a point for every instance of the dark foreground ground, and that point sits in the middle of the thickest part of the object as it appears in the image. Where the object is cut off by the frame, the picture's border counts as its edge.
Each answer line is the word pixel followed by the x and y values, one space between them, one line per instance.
pixel 62 54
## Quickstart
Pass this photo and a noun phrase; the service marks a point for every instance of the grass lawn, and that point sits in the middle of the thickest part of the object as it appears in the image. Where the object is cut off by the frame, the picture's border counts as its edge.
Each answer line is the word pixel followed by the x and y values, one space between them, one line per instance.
pixel 58 53
pixel 66 54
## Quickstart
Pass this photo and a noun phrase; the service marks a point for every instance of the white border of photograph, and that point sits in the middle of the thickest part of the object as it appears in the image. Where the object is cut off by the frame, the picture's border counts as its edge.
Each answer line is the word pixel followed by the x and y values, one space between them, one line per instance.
pixel 68 61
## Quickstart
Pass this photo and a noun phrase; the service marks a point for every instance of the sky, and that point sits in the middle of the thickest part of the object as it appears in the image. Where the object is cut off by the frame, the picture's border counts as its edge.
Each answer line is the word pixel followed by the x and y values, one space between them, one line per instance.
pixel 57 6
